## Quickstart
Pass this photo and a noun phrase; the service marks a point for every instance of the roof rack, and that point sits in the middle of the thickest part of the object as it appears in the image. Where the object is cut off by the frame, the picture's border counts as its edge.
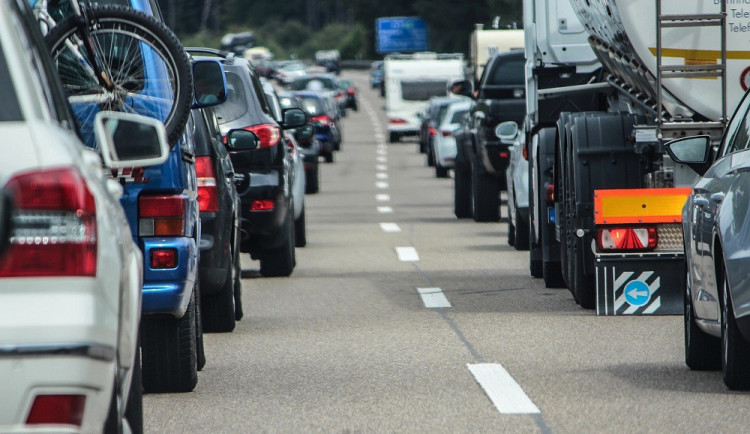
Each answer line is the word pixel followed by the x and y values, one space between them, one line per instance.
pixel 211 51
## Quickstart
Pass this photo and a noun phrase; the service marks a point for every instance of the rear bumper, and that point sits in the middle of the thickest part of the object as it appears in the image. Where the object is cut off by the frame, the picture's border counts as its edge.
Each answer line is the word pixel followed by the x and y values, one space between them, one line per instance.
pixel 168 291
pixel 261 228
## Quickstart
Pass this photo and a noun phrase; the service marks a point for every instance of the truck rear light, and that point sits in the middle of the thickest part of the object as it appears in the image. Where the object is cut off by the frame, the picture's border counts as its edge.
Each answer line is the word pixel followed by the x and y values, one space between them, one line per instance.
pixel 396 121
pixel 268 134
pixel 262 205
pixel 627 239
pixel 161 216
pixel 208 194
pixel 323 119
pixel 163 258
pixel 57 410
pixel 54 226
pixel 446 133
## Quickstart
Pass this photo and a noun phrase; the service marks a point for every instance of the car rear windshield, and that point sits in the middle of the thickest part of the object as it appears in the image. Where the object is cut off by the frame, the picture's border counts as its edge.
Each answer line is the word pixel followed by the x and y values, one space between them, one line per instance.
pixel 313 82
pixel 508 73
pixel 422 90
pixel 458 116
pixel 313 105
pixel 440 113
pixel 10 111
pixel 236 105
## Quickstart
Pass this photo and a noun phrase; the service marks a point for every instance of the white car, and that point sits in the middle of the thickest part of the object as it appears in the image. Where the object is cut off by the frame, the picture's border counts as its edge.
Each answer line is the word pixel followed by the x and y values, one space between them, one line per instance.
pixel 517 179
pixel 71 276
pixel 444 144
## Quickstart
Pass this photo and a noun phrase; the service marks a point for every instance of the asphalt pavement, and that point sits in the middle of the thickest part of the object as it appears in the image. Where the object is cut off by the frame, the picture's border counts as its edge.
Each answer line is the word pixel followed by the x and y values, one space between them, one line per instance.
pixel 349 344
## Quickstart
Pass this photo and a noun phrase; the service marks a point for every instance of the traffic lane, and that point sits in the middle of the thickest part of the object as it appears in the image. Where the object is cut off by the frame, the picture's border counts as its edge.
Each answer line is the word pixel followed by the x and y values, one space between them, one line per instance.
pixel 343 344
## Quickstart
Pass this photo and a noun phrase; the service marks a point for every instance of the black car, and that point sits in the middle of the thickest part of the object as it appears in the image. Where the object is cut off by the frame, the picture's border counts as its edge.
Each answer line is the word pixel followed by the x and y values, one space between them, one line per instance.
pixel 325 119
pixel 309 145
pixel 219 268
pixel 263 174
pixel 351 94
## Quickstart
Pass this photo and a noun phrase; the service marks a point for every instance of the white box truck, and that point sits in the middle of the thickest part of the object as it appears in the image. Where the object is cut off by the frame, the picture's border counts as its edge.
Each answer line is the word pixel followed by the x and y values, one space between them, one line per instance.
pixel 485 43
pixel 410 81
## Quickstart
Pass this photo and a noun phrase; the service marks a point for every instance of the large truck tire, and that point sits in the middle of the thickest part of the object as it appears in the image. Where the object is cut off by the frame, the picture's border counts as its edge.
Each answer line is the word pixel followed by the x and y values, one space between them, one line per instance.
pixel 549 246
pixel 485 195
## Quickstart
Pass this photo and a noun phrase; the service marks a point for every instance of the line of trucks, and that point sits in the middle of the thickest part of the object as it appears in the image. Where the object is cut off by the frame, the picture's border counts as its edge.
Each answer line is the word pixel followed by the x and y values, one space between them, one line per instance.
pixel 572 125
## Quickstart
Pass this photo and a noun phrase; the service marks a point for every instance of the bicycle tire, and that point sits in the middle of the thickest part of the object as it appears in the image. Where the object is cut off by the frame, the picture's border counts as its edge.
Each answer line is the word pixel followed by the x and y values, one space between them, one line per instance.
pixel 120 20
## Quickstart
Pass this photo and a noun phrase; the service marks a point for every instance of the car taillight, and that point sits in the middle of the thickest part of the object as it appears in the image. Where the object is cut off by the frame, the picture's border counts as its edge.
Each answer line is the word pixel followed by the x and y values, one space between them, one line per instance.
pixel 163 258
pixel 550 193
pixel 208 194
pixel 432 131
pixel 350 91
pixel 323 119
pixel 268 134
pixel 627 239
pixel 161 216
pixel 446 133
pixel 54 226
pixel 57 410
pixel 396 121
pixel 262 205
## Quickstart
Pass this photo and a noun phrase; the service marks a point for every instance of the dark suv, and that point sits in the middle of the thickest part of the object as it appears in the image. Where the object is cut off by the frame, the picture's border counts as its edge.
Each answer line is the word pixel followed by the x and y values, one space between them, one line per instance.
pixel 263 174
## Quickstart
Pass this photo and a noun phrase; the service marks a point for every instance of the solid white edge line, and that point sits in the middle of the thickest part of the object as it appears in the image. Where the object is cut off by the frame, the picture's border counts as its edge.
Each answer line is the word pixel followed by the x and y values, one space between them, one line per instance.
pixel 390 227
pixel 502 389
pixel 407 254
pixel 433 298
pixel 385 210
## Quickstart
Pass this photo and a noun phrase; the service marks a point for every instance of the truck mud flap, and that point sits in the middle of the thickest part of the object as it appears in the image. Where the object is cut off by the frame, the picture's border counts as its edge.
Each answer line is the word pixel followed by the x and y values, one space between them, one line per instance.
pixel 648 284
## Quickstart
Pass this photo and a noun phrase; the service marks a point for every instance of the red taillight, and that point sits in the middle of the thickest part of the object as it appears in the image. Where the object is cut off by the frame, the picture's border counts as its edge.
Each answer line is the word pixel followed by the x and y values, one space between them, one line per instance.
pixel 323 119
pixel 396 121
pixel 161 216
pixel 208 194
pixel 626 239
pixel 163 258
pixel 525 152
pixel 446 133
pixel 57 410
pixel 350 91
pixel 268 134
pixel 550 193
pixel 503 154
pixel 54 226
pixel 432 131
pixel 262 205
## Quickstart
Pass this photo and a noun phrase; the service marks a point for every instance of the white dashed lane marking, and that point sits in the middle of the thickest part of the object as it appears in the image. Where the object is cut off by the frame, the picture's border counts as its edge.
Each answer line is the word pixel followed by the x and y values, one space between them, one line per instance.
pixel 390 227
pixel 502 389
pixel 381 175
pixel 433 298
pixel 382 197
pixel 381 184
pixel 385 210
pixel 381 167
pixel 407 254
pixel 381 159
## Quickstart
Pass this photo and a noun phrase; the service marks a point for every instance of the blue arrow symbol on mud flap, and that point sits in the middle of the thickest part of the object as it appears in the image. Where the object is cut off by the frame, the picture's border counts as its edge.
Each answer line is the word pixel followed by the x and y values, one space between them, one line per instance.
pixel 637 293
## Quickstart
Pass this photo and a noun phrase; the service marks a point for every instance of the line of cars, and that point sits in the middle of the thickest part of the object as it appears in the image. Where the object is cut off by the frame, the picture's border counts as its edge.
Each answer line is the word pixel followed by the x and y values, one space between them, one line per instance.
pixel 118 255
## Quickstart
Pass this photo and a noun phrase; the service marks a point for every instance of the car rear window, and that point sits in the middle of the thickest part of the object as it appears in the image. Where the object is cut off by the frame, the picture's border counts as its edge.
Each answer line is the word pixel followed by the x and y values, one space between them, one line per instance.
pixel 313 105
pixel 312 83
pixel 10 110
pixel 237 103
pixel 458 116
pixel 440 113
pixel 422 90
pixel 508 73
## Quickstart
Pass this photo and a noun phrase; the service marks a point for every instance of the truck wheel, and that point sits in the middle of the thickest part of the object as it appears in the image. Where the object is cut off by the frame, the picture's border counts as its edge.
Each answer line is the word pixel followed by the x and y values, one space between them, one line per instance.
pixel 583 284
pixel 134 408
pixel 279 262
pixel 552 273
pixel 536 266
pixel 393 137
pixel 735 350
pixel 462 192
pixel 485 196
pixel 702 351
pixel 300 229
pixel 168 352
pixel 312 185
pixel 218 309
pixel 522 232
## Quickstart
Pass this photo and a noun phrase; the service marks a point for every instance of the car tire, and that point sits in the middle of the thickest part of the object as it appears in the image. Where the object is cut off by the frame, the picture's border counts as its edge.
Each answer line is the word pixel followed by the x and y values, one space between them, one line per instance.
pixel 735 350
pixel 300 229
pixel 393 137
pixel 134 408
pixel 218 310
pixel 536 268
pixel 511 231
pixel 521 233
pixel 279 262
pixel 312 185
pixel 702 351
pixel 440 171
pixel 430 156
pixel 461 192
pixel 485 197
pixel 329 157
pixel 169 353
pixel 199 350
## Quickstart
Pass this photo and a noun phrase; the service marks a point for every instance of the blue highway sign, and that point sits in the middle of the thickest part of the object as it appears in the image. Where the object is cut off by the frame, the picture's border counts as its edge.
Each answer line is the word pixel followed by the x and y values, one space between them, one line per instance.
pixel 401 34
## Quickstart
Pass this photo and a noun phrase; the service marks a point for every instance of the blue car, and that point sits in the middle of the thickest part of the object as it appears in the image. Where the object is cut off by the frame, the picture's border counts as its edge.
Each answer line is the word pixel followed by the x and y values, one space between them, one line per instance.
pixel 324 119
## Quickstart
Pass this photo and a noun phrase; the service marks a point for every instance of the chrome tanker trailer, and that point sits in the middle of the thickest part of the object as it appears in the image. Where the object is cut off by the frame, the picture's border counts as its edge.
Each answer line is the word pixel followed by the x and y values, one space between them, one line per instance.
pixel 607 198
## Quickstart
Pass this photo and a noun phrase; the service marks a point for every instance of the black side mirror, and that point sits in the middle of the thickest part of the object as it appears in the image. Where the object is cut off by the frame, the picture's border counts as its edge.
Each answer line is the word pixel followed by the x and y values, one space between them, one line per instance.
pixel 692 151
pixel 293 118
pixel 461 87
pixel 5 222
pixel 304 132
pixel 209 83
pixel 241 140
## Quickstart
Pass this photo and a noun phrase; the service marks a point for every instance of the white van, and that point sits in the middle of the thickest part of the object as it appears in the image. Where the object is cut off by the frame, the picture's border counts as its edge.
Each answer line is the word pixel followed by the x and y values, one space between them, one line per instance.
pixel 410 81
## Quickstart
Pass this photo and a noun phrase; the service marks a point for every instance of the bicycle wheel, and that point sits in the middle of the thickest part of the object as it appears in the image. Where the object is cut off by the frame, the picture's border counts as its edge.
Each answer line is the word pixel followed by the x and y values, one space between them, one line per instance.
pixel 147 70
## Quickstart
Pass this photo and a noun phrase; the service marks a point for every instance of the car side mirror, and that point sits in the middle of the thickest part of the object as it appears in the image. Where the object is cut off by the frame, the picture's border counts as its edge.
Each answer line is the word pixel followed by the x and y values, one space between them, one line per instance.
pixel 304 132
pixel 130 140
pixel 293 118
pixel 461 87
pixel 691 151
pixel 507 132
pixel 209 83
pixel 242 140
pixel 5 223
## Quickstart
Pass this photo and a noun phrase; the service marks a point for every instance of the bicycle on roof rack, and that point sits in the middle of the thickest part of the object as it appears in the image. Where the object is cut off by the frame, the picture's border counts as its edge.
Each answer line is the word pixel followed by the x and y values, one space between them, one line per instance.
pixel 119 59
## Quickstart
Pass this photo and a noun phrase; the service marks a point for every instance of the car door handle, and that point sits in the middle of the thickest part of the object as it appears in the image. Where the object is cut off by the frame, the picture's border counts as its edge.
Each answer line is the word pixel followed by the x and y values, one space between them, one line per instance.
pixel 700 201
pixel 717 197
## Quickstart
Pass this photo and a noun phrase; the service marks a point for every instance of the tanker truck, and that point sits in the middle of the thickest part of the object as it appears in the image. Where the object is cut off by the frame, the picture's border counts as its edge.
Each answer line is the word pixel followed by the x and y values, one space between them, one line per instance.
pixel 608 84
